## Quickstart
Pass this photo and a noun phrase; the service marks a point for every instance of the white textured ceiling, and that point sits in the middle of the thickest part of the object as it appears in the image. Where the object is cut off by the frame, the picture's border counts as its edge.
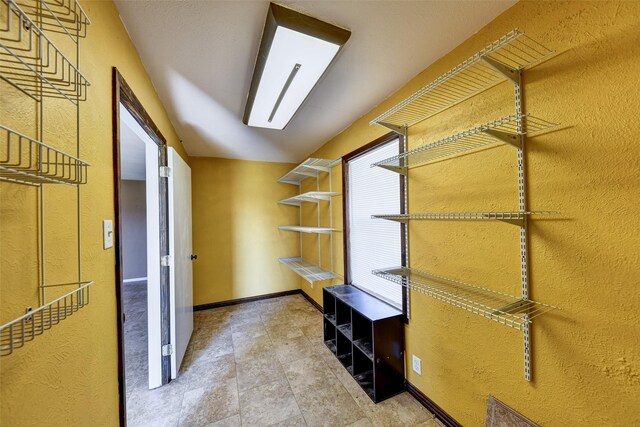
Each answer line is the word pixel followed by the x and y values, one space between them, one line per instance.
pixel 200 56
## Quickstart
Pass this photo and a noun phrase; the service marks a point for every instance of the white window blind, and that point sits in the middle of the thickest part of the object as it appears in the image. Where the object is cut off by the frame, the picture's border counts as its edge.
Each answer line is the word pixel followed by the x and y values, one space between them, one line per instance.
pixel 374 243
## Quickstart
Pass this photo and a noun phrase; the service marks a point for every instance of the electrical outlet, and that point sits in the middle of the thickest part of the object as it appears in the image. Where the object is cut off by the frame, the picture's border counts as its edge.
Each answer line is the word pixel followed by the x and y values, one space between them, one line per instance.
pixel 417 364
pixel 107 229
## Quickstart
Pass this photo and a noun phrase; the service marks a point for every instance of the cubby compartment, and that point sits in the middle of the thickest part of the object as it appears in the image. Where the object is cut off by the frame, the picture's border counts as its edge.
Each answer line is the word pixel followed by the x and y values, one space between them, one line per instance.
pixel 343 313
pixel 330 335
pixel 344 350
pixel 361 362
pixel 362 333
pixel 329 307
pixel 367 336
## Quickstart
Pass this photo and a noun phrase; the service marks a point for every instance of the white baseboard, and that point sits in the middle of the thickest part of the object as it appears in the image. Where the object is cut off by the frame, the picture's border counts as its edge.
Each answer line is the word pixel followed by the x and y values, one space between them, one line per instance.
pixel 135 279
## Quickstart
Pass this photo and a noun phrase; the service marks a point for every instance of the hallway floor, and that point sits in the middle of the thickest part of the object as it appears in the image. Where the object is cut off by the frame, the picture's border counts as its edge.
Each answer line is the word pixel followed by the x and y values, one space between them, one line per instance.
pixel 264 363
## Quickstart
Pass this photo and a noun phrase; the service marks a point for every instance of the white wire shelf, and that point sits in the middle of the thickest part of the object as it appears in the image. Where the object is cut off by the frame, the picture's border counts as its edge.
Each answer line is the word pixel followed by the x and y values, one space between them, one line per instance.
pixel 312 196
pixel 24 160
pixel 309 230
pixel 307 169
pixel 27 327
pixel 498 62
pixel 516 218
pixel 310 272
pixel 58 16
pixel 497 306
pixel 31 63
pixel 504 130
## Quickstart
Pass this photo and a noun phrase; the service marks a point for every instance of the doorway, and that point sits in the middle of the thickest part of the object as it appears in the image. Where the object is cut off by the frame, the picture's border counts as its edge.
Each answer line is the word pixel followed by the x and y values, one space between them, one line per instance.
pixel 134 244
pixel 140 151
pixel 153 229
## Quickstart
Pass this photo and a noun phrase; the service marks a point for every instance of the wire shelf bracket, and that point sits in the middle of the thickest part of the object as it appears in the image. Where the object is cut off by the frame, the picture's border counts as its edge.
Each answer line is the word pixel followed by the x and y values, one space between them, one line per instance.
pixel 18 332
pixel 500 307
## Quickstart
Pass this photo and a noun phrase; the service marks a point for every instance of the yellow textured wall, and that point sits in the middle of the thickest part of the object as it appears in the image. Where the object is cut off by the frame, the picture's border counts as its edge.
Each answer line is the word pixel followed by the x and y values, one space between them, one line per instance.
pixel 586 357
pixel 235 229
pixel 68 376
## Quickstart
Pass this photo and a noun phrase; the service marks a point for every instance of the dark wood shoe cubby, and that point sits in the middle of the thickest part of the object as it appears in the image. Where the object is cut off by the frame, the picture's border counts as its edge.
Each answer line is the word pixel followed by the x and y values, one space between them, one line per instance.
pixel 367 337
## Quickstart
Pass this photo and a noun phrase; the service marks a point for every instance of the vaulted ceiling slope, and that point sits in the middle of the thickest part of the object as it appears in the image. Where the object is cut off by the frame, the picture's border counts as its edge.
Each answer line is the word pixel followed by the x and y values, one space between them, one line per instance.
pixel 200 56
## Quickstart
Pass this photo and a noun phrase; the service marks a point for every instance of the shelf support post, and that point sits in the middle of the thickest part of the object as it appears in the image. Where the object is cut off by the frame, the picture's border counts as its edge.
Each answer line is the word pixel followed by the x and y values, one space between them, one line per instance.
pixel 522 203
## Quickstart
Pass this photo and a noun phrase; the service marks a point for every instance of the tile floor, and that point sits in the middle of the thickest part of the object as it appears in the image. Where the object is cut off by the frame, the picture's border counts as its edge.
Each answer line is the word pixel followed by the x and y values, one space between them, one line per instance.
pixel 259 364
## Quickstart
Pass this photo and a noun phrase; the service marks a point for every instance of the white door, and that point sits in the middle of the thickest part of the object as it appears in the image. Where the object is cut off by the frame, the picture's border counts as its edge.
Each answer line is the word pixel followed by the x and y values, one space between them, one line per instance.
pixel 180 249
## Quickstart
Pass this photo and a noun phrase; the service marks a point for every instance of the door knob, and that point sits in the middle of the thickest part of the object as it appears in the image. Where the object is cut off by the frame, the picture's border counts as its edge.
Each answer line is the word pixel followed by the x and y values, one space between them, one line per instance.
pixel 194 257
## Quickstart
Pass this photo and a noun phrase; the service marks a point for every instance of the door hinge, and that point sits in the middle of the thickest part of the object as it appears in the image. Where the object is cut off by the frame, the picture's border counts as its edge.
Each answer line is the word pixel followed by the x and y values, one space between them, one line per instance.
pixel 165 171
pixel 165 261
pixel 167 350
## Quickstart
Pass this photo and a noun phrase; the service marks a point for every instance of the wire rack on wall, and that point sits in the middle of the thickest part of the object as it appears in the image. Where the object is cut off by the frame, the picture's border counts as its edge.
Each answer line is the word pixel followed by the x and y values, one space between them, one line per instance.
pixel 307 169
pixel 311 168
pixel 311 230
pixel 311 196
pixel 31 63
pixel 308 271
pixel 504 130
pixel 516 218
pixel 496 63
pixel 27 161
pixel 27 327
pixel 500 307
pixel 503 60
pixel 58 16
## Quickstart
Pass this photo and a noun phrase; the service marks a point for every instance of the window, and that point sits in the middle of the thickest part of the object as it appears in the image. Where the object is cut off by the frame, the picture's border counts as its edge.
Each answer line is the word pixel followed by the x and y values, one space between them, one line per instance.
pixel 374 243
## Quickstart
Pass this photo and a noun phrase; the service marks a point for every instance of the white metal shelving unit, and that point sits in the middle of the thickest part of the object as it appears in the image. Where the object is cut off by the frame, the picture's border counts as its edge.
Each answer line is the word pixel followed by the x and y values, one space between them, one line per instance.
pixel 310 168
pixel 503 60
pixel 36 67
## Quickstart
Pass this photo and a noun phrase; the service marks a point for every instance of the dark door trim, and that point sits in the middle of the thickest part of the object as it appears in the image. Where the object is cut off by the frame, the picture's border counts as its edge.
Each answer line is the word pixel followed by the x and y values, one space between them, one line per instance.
pixel 384 139
pixel 122 94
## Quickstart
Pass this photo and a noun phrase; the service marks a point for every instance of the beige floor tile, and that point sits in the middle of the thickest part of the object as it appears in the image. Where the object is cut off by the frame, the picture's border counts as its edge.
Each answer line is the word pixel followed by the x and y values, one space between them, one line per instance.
pixel 364 422
pixel 268 404
pixel 283 332
pixel 400 410
pixel 251 347
pixel 253 372
pixel 328 405
pixel 205 349
pixel 310 372
pixel 214 402
pixel 293 349
pixel 250 326
pixel 158 407
pixel 208 372
pixel 292 422
pixel 233 421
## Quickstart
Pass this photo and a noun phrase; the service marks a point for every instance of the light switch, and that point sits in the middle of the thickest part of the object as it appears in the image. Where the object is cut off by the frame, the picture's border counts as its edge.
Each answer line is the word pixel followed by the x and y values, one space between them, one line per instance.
pixel 107 227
